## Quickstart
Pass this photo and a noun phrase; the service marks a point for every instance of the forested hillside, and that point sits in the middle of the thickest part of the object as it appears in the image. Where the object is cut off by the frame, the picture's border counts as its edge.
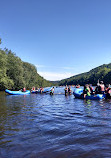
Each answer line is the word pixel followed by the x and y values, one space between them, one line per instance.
pixel 102 72
pixel 15 74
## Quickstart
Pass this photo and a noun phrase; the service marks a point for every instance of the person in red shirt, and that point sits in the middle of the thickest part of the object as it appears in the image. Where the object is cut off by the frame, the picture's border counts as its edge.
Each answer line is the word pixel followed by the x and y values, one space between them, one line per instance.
pixel 33 88
pixel 41 89
pixel 108 91
pixel 24 89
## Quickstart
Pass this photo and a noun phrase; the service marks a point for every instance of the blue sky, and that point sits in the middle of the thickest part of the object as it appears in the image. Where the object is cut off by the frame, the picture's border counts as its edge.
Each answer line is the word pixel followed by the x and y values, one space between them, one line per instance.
pixel 61 37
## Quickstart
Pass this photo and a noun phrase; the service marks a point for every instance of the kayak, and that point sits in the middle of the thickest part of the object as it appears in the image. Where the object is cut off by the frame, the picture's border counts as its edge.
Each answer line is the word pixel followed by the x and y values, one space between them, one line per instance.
pixel 17 92
pixel 47 89
pixel 77 93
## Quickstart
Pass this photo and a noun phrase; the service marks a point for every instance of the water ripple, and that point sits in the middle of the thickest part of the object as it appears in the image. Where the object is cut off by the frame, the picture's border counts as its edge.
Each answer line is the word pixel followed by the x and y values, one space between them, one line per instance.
pixel 55 126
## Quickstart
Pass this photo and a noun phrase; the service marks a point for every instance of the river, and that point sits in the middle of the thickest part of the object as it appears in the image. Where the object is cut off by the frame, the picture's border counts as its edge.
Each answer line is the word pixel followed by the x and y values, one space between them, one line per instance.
pixel 58 126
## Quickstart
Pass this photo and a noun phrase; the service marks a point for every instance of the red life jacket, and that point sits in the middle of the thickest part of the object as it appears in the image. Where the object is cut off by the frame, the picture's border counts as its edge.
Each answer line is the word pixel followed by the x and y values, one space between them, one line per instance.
pixel 24 89
pixel 108 90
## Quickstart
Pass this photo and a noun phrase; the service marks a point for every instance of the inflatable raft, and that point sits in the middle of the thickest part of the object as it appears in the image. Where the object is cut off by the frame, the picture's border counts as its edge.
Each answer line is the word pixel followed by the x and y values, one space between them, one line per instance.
pixel 77 93
pixel 17 92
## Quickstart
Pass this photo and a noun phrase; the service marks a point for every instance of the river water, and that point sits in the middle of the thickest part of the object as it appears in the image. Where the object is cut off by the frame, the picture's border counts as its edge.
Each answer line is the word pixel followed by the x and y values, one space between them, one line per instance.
pixel 58 126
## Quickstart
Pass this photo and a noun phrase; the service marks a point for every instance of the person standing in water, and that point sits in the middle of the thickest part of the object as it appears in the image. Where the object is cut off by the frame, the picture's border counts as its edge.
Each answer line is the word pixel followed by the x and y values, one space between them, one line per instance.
pixel 66 90
pixel 52 91
pixel 69 90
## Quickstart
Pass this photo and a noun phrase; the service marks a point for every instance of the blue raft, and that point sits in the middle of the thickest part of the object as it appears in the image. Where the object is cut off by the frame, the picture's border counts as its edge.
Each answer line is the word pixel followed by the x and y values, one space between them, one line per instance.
pixel 17 92
pixel 77 93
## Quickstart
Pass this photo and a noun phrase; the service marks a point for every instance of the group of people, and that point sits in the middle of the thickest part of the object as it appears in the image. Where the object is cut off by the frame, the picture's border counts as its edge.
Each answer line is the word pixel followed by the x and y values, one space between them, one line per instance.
pixel 37 89
pixel 99 89
pixel 87 91
pixel 68 90
pixel 23 89
pixel 42 89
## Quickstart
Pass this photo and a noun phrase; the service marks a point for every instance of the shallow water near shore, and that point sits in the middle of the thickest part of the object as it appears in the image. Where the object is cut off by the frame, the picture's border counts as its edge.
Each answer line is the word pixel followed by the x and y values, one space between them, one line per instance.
pixel 58 126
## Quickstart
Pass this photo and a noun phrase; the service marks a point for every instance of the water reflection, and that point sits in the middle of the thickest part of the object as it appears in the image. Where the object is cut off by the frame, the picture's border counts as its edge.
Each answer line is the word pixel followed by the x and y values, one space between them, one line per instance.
pixel 88 109
pixel 101 102
pixel 88 103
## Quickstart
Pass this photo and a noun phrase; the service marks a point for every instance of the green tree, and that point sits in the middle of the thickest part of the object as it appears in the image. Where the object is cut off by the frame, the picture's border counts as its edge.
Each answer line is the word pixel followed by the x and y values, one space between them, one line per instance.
pixel 15 70
pixel 5 81
pixel 15 74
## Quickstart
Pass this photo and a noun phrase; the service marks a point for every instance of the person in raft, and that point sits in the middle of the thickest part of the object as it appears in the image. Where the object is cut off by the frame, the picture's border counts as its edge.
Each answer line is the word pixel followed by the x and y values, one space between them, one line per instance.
pixel 52 91
pixel 24 89
pixel 91 89
pixel 101 88
pixel 41 89
pixel 108 91
pixel 77 86
pixel 66 90
pixel 97 89
pixel 86 91
pixel 33 89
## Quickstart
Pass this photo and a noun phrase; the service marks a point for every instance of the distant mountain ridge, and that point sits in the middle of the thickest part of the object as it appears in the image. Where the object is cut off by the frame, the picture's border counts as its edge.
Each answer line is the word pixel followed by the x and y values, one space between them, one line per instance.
pixel 102 72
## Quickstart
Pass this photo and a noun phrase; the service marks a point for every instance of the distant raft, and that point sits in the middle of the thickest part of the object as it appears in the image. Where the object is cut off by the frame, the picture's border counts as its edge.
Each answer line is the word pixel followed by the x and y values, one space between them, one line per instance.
pixel 47 89
pixel 77 93
pixel 17 92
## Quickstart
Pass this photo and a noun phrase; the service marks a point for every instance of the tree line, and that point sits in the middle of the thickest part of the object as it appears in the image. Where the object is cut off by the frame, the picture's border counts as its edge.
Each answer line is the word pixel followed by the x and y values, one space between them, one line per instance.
pixel 16 74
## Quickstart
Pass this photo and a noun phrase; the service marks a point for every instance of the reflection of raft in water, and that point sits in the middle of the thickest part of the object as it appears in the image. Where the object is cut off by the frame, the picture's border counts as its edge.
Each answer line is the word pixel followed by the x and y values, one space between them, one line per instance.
pixel 17 92
pixel 77 93
pixel 61 94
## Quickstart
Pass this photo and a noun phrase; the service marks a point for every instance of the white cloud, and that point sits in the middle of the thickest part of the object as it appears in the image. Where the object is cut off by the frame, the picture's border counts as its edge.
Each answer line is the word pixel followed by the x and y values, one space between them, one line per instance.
pixel 53 76
pixel 40 66
pixel 56 67
pixel 68 68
